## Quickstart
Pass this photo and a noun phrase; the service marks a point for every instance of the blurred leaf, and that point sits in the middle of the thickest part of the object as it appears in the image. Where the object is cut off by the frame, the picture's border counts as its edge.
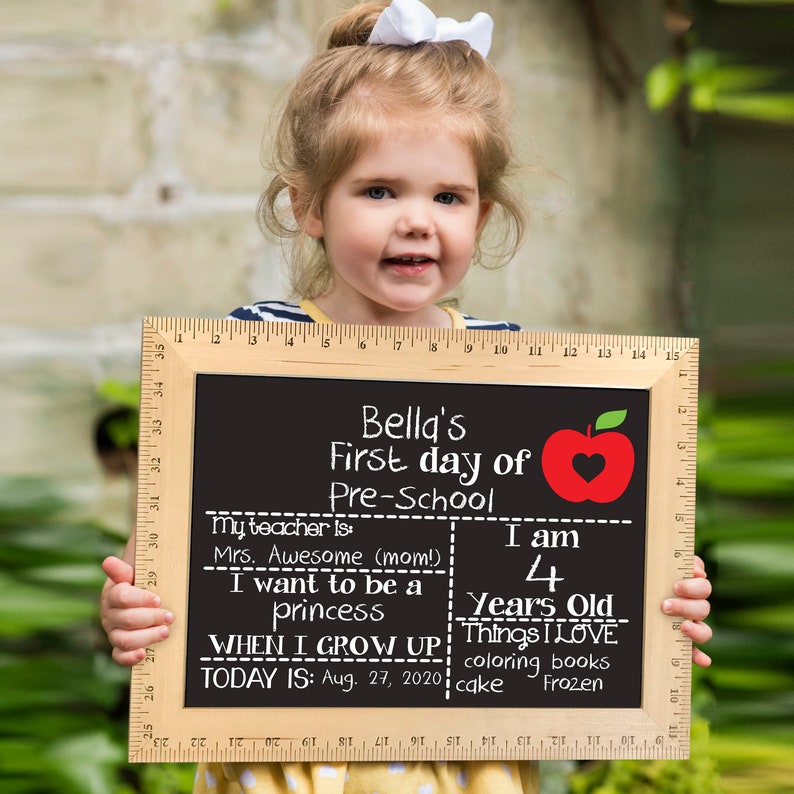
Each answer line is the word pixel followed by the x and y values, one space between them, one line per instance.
pixel 86 763
pixel 54 681
pixel 700 65
pixel 85 575
pixel 124 430
pixel 25 608
pixel 127 395
pixel 735 78
pixel 768 477
pixel 716 85
pixel 663 83
pixel 40 544
pixel 778 618
pixel 703 97
pixel 27 498
pixel 759 559
pixel 777 107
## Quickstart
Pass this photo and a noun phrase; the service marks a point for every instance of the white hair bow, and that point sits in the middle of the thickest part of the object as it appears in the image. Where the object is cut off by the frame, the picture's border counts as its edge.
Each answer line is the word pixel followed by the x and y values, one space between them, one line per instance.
pixel 407 22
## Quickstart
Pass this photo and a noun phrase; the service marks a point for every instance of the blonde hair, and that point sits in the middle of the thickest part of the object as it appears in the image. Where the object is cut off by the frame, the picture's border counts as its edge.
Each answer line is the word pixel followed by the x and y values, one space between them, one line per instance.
pixel 352 94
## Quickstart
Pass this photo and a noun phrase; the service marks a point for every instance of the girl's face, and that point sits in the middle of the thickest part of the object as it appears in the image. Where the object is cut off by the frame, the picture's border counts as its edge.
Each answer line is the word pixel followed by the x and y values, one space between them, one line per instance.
pixel 399 229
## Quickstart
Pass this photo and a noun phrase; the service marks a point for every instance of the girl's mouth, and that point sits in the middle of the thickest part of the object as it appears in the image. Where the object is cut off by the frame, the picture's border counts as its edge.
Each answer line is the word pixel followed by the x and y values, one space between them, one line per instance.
pixel 409 265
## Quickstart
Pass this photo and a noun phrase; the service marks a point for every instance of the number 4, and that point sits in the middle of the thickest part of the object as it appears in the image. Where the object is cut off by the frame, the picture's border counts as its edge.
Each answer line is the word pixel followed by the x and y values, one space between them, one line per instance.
pixel 552 578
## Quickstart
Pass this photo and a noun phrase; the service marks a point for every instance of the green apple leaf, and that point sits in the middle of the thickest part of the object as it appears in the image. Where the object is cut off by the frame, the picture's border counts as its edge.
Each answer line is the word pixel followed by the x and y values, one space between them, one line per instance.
pixel 610 419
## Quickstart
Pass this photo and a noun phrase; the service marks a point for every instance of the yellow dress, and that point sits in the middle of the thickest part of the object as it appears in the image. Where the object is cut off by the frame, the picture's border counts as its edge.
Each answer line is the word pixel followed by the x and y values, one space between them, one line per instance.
pixel 426 777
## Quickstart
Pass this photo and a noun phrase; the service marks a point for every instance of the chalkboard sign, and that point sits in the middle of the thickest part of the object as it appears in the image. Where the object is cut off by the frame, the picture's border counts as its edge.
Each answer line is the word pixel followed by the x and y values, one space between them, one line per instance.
pixel 404 543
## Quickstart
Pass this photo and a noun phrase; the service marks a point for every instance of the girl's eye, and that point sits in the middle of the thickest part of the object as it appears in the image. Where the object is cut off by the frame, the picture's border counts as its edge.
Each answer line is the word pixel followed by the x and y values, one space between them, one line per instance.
pixel 378 193
pixel 447 198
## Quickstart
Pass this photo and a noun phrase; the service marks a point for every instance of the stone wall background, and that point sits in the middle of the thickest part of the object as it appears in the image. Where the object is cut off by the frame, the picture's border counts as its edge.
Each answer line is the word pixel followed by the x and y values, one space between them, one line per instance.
pixel 130 169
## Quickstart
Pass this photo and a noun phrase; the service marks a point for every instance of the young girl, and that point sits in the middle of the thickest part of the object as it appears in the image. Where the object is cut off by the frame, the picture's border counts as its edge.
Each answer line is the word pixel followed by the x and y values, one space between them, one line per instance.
pixel 393 150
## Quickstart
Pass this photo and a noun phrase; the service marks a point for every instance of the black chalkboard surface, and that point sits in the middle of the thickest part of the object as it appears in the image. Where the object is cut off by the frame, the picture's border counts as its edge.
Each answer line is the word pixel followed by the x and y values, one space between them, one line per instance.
pixel 413 544
pixel 381 543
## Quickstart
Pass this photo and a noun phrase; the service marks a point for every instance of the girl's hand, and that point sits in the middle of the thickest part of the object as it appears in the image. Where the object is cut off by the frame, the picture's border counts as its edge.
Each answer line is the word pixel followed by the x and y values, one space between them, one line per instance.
pixel 692 604
pixel 131 617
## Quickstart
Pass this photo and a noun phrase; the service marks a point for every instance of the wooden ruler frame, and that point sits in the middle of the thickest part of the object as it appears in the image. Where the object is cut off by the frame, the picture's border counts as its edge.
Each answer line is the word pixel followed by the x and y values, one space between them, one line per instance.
pixel 175 349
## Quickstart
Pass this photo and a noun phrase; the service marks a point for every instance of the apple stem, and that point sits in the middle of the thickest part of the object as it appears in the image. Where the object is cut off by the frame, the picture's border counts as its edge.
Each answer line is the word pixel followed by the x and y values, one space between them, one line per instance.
pixel 589 430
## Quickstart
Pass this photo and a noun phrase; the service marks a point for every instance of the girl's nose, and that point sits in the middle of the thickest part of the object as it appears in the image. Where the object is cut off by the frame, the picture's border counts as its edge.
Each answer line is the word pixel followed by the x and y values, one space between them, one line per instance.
pixel 415 220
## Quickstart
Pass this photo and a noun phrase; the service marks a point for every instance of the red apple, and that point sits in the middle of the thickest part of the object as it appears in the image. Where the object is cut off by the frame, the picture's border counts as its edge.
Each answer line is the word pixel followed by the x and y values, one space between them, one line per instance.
pixel 616 449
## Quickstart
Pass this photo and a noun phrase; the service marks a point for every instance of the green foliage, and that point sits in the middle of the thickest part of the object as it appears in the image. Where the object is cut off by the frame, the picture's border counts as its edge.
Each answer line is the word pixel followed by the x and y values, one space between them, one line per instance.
pixel 713 84
pixel 62 700
pixel 127 395
pixel 694 776
pixel 747 521
pixel 122 426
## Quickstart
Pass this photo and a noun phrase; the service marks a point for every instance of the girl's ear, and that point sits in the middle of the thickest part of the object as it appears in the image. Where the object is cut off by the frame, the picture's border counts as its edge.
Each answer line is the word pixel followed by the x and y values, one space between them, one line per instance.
pixel 485 211
pixel 310 219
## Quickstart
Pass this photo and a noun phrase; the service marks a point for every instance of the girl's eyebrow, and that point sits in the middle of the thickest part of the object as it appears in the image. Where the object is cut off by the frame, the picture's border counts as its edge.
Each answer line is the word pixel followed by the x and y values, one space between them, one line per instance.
pixel 441 187
pixel 459 189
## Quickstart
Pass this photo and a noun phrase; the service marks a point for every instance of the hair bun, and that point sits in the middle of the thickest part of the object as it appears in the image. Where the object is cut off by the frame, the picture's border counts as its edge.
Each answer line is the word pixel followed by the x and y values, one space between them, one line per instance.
pixel 354 26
